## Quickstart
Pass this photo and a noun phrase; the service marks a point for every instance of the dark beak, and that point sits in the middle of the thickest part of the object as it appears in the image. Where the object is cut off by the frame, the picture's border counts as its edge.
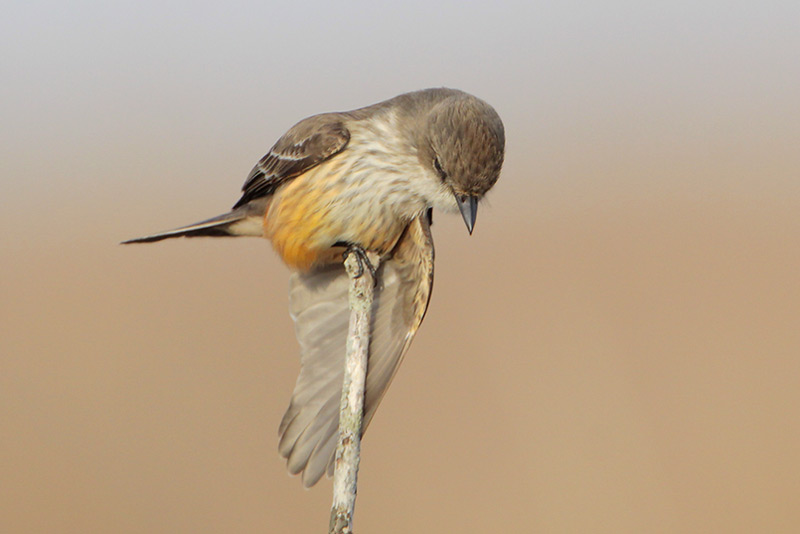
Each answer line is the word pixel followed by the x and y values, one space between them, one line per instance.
pixel 469 210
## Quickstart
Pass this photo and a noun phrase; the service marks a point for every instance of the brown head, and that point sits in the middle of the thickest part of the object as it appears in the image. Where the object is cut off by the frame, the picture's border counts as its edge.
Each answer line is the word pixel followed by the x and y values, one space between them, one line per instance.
pixel 462 144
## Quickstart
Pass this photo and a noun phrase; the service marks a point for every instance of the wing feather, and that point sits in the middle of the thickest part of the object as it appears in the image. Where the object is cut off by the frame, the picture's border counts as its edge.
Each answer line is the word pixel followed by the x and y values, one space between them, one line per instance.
pixel 319 307
pixel 307 144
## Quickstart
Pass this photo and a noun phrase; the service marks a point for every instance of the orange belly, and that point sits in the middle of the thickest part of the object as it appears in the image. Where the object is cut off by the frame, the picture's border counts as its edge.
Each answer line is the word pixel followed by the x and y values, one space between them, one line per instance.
pixel 305 218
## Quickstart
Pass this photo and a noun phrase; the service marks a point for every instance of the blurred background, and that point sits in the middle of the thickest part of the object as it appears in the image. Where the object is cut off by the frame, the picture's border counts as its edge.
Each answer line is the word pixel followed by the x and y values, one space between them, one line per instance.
pixel 615 349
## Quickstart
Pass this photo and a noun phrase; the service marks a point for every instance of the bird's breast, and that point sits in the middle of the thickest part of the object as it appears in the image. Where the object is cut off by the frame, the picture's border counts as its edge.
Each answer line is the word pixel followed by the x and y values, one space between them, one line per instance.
pixel 346 199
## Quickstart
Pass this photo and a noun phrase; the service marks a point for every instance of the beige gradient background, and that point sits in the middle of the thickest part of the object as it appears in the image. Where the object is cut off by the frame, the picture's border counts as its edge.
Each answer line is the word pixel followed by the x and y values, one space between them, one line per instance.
pixel 616 349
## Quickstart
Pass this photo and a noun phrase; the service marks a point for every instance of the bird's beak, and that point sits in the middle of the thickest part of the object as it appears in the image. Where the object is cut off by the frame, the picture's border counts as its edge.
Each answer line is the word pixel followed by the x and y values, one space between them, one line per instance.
pixel 469 210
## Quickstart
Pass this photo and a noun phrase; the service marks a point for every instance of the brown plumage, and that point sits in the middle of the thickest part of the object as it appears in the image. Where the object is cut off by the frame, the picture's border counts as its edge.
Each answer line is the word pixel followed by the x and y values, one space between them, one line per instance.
pixel 367 178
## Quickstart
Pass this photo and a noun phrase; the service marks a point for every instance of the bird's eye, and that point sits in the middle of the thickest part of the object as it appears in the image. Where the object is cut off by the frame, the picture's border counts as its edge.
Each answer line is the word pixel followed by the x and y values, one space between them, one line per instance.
pixel 438 167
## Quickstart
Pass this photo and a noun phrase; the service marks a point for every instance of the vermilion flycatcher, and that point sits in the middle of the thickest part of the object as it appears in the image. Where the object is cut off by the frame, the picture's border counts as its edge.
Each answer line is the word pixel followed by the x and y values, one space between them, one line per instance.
pixel 367 180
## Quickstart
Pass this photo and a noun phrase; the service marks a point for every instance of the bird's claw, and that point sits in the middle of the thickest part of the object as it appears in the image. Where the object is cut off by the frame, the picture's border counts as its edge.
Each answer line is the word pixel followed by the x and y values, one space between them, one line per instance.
pixel 362 259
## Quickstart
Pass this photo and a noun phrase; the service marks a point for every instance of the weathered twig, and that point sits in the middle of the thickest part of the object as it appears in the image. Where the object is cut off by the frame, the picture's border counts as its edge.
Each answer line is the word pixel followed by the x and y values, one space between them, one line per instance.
pixel 351 409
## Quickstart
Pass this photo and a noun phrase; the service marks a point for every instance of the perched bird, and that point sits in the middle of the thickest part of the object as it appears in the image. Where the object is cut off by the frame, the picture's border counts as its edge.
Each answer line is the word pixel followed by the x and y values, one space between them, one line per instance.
pixel 367 180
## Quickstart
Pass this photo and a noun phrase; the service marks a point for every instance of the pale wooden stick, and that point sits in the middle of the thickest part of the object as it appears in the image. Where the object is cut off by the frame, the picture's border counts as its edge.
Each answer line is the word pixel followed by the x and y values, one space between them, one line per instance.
pixel 351 408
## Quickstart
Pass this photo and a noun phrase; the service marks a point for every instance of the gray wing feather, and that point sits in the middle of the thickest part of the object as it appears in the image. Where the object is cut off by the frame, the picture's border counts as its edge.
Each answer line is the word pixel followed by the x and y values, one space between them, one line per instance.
pixel 319 307
pixel 307 144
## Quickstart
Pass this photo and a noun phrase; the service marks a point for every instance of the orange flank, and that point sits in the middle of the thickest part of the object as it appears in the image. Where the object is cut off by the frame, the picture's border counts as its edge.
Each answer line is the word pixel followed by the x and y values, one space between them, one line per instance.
pixel 304 220
pixel 299 223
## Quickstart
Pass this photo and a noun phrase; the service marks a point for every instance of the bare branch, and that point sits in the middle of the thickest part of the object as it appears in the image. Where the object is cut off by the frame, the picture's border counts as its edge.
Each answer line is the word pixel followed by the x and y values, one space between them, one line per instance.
pixel 351 409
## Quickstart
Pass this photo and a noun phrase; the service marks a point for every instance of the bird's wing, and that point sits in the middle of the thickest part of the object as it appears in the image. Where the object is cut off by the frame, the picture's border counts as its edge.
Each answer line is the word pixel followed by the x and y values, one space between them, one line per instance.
pixel 319 307
pixel 307 144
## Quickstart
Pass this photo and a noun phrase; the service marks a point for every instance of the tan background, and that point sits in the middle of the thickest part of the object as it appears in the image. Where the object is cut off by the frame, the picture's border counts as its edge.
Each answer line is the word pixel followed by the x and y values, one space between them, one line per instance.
pixel 616 349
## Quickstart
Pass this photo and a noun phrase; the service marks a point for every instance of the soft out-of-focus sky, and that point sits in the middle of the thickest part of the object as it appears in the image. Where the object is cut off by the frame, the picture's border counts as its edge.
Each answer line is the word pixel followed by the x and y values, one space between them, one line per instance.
pixel 616 349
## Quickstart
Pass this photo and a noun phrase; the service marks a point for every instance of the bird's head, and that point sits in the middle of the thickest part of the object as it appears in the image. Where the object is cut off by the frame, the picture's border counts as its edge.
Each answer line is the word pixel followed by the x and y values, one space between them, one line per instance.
pixel 462 149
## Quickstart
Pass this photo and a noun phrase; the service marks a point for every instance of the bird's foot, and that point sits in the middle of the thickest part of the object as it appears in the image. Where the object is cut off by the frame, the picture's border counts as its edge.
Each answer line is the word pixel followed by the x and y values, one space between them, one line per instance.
pixel 362 259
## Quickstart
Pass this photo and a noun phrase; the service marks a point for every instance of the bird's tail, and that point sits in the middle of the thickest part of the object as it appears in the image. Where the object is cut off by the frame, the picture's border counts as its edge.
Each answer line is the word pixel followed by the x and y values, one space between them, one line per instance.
pixel 236 223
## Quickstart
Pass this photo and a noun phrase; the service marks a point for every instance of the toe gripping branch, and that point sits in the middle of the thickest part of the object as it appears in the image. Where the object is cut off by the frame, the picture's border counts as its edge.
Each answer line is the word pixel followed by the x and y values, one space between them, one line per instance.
pixel 361 256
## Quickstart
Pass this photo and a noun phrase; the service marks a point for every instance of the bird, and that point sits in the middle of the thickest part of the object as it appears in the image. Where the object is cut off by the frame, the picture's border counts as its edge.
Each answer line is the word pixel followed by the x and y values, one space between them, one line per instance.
pixel 361 180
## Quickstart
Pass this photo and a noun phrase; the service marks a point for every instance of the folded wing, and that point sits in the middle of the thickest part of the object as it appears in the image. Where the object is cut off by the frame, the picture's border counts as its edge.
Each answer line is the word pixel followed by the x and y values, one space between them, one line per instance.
pixel 307 144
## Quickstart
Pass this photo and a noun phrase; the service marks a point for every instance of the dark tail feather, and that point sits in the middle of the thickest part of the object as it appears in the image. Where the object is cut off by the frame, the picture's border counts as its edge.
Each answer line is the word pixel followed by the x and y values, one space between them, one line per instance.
pixel 235 223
